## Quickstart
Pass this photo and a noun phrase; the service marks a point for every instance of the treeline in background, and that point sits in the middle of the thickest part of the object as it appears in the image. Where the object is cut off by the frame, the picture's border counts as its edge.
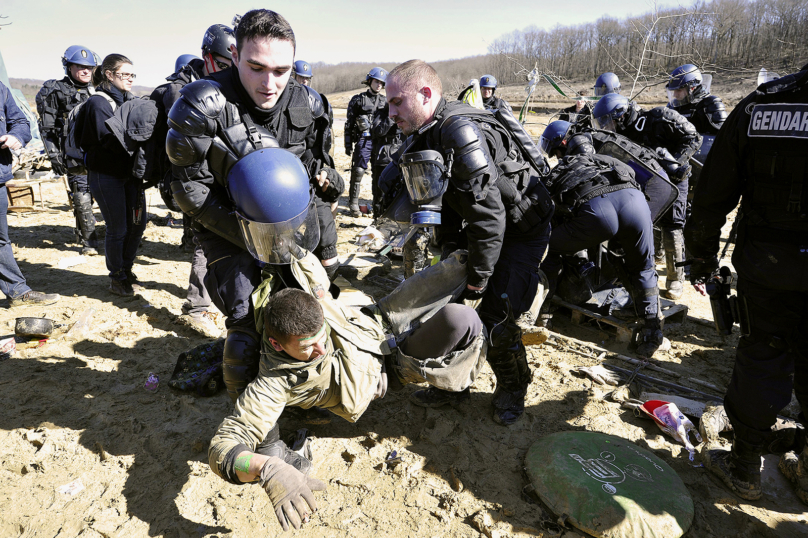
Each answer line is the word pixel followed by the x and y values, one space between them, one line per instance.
pixel 721 36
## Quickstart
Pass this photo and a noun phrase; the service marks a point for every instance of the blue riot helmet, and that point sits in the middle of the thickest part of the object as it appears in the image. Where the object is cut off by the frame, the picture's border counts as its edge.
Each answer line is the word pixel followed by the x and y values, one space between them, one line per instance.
pixel 183 60
pixel 688 80
pixel 607 83
pixel 218 39
pixel 78 55
pixel 611 112
pixel 425 178
pixel 554 137
pixel 274 205
pixel 488 81
pixel 303 69
pixel 378 73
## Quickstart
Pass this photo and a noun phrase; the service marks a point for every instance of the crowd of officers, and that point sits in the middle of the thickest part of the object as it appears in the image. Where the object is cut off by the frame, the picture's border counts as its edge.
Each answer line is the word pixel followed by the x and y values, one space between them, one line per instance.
pixel 485 190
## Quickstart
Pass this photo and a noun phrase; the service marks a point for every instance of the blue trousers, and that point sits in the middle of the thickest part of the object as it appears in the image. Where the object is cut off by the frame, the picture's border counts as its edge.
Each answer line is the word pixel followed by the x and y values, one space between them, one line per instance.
pixel 119 200
pixel 12 283
pixel 361 153
pixel 623 215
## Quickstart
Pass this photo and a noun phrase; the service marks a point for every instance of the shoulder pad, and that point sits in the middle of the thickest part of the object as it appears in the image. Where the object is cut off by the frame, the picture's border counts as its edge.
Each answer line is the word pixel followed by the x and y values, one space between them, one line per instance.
pixel 195 112
pixel 315 102
pixel 713 103
pixel 580 144
pixel 206 96
pixel 464 139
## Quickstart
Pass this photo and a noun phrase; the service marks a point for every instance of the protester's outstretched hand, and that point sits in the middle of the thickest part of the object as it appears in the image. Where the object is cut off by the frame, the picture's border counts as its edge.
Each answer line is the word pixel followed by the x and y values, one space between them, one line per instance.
pixel 290 492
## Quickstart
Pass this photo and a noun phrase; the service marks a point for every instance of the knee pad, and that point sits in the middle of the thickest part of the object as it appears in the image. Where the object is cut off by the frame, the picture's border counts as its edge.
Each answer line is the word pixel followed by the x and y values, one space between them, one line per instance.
pixel 242 354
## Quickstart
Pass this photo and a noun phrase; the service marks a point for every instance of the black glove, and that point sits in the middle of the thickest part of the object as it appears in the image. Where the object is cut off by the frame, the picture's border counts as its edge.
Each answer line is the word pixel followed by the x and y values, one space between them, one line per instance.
pixel 472 295
pixel 289 491
pixel 336 186
pixel 669 164
pixel 702 269
pixel 348 146
pixel 57 165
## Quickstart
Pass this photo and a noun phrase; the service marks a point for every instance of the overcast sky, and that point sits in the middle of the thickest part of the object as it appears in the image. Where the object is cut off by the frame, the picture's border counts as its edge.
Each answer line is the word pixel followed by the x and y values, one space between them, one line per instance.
pixel 152 33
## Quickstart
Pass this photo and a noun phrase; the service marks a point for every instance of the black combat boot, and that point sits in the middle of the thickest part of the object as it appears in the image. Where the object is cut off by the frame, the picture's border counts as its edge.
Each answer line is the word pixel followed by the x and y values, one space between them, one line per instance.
pixel 298 457
pixel 513 378
pixel 738 468
pixel 353 193
pixel 85 223
pixel 674 241
pixel 647 339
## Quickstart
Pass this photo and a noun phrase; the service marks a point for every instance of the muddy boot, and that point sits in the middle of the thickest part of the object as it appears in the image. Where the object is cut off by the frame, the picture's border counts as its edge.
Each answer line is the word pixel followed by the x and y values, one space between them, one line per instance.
pixel 513 378
pixel 647 339
pixel 674 241
pixel 435 397
pixel 85 223
pixel 738 468
pixel 353 192
pixel 794 467
pixel 787 436
pixel 713 422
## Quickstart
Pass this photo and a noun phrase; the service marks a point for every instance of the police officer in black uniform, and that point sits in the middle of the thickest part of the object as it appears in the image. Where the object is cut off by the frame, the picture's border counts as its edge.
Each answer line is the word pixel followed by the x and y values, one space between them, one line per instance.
pixel 760 158
pixel 386 139
pixel 597 199
pixel 360 116
pixel 54 102
pixel 216 57
pixel 688 96
pixel 494 205
pixel 488 87
pixel 253 105
pixel 675 140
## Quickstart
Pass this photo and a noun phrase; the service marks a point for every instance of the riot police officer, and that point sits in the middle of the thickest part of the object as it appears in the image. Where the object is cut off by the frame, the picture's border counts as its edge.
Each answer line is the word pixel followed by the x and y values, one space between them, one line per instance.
pixel 386 138
pixel 54 102
pixel 303 72
pixel 362 109
pixel 688 96
pixel 494 203
pixel 253 105
pixel 597 199
pixel 675 140
pixel 760 158
pixel 216 45
pixel 488 86
pixel 606 83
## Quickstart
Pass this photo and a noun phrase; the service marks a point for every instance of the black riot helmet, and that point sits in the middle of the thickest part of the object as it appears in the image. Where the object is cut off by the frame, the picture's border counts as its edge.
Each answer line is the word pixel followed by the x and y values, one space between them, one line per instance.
pixel 218 39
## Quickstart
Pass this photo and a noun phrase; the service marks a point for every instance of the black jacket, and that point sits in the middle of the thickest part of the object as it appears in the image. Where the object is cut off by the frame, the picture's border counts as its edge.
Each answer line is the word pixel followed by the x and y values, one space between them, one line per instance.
pixel 764 167
pixel 102 151
pixel 54 101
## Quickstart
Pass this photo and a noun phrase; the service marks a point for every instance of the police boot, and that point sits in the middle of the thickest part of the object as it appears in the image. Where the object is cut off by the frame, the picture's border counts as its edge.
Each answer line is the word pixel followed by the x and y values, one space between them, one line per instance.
pixel 786 436
pixel 85 223
pixel 356 185
pixel 738 468
pixel 794 466
pixel 647 339
pixel 513 378
pixel 242 353
pixel 659 250
pixel 299 458
pixel 674 241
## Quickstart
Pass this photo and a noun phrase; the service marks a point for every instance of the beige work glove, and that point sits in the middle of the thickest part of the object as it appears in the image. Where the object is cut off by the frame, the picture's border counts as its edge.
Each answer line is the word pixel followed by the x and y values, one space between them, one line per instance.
pixel 290 492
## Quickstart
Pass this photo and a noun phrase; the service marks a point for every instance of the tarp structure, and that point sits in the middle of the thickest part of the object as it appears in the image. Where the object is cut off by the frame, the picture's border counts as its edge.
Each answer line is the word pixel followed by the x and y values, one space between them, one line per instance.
pixel 22 102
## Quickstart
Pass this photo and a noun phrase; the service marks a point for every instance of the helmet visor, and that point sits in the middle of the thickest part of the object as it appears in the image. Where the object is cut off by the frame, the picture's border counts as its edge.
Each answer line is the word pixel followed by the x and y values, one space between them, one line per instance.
pixel 425 180
pixel 606 123
pixel 278 242
pixel 680 96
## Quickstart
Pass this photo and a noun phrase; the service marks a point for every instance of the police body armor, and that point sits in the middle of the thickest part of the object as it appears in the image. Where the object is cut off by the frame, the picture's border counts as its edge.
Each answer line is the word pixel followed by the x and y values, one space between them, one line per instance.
pixel 659 191
pixel 707 115
pixel 54 102
pixel 775 202
pixel 198 137
pixel 528 205
pixel 361 110
pixel 579 178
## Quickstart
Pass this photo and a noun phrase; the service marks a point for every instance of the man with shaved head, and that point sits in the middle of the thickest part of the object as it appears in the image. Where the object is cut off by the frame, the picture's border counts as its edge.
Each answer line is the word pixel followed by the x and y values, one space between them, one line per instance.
pixel 494 205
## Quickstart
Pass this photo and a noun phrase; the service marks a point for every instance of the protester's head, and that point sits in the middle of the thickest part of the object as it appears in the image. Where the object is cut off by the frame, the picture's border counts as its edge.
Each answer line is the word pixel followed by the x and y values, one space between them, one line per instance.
pixel 294 323
pixel 580 102
pixel 413 92
pixel 264 55
pixel 115 70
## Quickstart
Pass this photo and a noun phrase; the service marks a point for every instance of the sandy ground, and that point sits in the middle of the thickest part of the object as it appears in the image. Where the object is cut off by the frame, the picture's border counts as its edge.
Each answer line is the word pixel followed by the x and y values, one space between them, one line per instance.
pixel 76 412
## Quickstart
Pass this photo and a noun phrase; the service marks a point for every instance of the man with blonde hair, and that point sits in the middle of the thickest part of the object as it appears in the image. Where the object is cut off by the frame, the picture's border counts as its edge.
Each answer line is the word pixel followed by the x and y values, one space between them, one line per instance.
pixel 495 190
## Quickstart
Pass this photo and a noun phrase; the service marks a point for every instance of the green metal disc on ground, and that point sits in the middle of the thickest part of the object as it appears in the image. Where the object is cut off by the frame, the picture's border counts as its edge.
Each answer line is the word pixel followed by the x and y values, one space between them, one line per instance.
pixel 608 486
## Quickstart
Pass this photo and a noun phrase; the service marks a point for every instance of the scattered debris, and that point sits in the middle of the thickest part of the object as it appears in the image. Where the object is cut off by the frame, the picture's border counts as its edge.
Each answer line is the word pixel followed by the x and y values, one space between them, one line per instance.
pixel 671 421
pixel 72 488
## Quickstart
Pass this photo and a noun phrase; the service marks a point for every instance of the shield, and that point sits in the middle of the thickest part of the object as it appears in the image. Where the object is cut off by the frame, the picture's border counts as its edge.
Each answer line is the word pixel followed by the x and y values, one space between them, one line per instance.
pixel 697 161
pixel 653 180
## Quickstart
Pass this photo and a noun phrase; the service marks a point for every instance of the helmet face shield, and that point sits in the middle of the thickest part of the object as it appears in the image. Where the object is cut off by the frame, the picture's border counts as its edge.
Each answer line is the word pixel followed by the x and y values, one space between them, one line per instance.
pixel 680 96
pixel 606 123
pixel 277 243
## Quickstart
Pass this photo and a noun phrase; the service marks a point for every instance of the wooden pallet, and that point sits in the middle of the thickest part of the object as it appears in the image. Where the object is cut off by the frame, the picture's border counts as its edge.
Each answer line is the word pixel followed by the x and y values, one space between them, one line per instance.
pixel 672 313
pixel 21 192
